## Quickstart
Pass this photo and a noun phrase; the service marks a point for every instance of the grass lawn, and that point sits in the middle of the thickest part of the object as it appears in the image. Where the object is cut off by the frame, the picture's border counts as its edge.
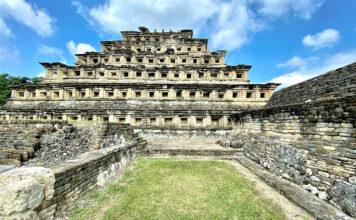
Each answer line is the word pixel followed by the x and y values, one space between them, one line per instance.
pixel 179 189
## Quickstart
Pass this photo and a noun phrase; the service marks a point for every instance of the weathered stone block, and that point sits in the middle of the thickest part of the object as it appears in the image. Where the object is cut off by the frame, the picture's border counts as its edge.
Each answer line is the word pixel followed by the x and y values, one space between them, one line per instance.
pixel 19 194
pixel 344 195
pixel 42 175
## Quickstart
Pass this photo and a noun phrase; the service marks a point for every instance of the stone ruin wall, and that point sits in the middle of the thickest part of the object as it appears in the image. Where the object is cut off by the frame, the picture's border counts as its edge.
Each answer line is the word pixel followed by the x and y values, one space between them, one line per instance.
pixel 48 191
pixel 337 83
pixel 22 140
pixel 311 143
pixel 73 178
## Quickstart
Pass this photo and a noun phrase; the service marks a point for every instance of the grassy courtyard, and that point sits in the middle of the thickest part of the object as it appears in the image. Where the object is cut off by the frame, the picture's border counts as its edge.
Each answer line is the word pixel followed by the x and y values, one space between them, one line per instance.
pixel 179 189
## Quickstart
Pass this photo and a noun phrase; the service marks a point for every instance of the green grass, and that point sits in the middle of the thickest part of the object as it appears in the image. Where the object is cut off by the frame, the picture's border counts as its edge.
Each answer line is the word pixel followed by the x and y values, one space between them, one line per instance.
pixel 180 189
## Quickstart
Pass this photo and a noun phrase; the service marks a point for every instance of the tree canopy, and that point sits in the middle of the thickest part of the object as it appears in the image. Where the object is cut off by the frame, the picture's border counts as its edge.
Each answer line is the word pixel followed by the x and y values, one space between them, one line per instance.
pixel 6 81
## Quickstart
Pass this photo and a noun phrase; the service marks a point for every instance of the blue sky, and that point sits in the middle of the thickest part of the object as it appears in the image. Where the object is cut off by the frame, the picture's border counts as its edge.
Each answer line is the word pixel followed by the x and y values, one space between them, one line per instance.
pixel 285 41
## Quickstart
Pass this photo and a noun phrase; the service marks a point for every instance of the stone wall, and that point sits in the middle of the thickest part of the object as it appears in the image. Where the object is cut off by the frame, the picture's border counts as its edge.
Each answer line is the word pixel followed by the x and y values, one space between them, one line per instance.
pixel 338 83
pixel 312 144
pixel 42 142
pixel 75 177
pixel 46 192
pixel 155 114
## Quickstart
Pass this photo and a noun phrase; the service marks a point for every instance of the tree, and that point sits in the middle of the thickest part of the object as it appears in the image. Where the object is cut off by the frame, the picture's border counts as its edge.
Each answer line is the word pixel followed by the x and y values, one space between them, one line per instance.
pixel 36 80
pixel 6 81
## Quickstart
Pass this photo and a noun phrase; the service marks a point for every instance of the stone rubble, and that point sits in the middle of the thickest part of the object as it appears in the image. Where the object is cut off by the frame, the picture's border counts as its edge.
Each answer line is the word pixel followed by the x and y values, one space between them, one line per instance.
pixel 231 142
pixel 62 145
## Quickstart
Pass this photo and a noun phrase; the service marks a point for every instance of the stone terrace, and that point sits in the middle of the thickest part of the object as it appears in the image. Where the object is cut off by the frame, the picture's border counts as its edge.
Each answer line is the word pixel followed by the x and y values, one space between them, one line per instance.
pixel 188 147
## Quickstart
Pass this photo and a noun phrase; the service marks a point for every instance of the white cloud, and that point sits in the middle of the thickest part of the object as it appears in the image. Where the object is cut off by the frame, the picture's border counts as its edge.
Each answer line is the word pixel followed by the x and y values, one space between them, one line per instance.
pixel 42 74
pixel 299 8
pixel 297 62
pixel 293 62
pixel 117 15
pixel 26 14
pixel 323 39
pixel 231 23
pixel 52 52
pixel 228 24
pixel 79 48
pixel 292 78
pixel 234 25
pixel 309 69
pixel 4 29
pixel 340 59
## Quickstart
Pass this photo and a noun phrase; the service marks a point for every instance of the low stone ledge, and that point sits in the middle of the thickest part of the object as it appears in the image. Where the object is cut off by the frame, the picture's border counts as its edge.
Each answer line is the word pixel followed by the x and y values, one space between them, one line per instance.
pixel 4 168
pixel 86 158
pixel 227 153
pixel 314 205
pixel 46 192
pixel 74 177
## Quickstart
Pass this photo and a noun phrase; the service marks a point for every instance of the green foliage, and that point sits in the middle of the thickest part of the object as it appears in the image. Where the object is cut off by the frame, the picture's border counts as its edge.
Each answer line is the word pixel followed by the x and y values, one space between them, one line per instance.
pixel 36 80
pixel 6 81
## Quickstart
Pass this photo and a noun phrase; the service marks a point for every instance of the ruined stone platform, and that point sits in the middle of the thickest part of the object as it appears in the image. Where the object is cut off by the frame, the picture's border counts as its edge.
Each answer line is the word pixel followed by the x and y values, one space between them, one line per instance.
pixel 188 147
